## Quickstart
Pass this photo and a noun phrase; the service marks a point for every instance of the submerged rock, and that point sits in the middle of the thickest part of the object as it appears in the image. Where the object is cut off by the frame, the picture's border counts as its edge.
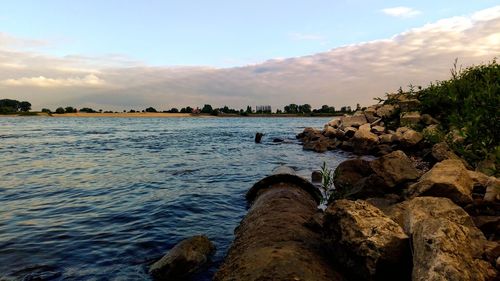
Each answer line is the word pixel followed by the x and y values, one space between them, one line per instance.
pixel 183 259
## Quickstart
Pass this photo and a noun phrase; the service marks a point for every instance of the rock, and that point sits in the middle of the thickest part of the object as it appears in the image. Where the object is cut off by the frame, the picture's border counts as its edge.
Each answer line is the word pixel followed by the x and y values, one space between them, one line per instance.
pixel 491 185
pixel 258 137
pixel 395 168
pixel 329 132
pixel 278 140
pixel 428 119
pixel 364 140
pixel 379 130
pixel 385 138
pixel 385 202
pixel 339 134
pixel 365 241
pixel 444 250
pixel 320 145
pixel 349 132
pixel 183 259
pixel 409 104
pixel 423 208
pixel 410 118
pixel 353 121
pixel 489 225
pixel 386 111
pixel 407 137
pixel 492 251
pixel 446 179
pixel 367 187
pixel 335 123
pixel 370 114
pixel 487 166
pixel 347 146
pixel 349 172
pixel 441 151
pixel 382 149
pixel 316 176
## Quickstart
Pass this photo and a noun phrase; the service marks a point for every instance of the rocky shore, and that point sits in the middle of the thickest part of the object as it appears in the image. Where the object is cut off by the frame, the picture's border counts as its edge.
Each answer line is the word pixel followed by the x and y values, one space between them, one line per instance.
pixel 417 211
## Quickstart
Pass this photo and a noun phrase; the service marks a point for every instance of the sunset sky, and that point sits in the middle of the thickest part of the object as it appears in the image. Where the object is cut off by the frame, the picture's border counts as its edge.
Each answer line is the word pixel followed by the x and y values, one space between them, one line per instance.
pixel 131 54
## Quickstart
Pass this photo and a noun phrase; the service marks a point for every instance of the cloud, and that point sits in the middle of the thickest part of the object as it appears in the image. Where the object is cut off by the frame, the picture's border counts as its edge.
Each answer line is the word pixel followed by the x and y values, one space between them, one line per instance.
pixel 41 81
pixel 401 12
pixel 342 76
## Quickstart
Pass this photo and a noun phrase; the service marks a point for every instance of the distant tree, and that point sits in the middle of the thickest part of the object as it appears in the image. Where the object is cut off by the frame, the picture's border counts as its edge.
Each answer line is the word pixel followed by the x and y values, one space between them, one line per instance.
pixel 358 107
pixel 87 109
pixel 215 112
pixel 249 109
pixel 46 110
pixel 151 109
pixel 131 111
pixel 174 110
pixel 60 110
pixel 9 106
pixel 225 109
pixel 124 111
pixel 100 110
pixel 207 108
pixel 291 108
pixel 279 111
pixel 70 109
pixel 24 106
pixel 305 108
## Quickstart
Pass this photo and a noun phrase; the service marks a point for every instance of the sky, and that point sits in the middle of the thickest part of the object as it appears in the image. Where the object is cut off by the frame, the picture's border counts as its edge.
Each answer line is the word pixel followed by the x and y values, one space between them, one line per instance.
pixel 134 53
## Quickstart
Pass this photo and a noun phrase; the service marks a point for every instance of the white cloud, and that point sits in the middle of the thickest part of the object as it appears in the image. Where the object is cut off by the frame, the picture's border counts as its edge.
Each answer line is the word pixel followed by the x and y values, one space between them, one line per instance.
pixel 41 81
pixel 401 12
pixel 342 76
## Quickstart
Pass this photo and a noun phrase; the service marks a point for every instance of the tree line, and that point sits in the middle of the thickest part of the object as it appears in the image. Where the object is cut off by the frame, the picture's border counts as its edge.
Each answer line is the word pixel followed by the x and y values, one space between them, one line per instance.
pixel 13 106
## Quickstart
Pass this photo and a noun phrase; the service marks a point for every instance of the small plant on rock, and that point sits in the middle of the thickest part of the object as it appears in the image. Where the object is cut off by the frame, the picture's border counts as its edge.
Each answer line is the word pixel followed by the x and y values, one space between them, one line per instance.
pixel 327 188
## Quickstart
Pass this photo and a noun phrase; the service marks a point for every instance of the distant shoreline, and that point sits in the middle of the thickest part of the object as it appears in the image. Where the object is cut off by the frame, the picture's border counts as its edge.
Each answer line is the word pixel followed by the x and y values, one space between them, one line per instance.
pixel 156 115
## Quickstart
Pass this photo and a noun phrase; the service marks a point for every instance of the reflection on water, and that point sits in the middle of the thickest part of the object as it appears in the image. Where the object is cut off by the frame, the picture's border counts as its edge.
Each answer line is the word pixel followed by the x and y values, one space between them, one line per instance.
pixel 100 198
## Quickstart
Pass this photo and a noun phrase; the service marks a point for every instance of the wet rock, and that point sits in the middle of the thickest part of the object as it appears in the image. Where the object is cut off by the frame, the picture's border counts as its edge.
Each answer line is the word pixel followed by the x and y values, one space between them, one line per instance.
pixel 365 241
pixel 353 120
pixel 316 177
pixel 382 149
pixel 183 259
pixel 258 137
pixel 364 140
pixel 349 172
pixel 444 250
pixel 278 140
pixel 446 179
pixel 347 146
pixel 410 118
pixel 386 111
pixel 395 168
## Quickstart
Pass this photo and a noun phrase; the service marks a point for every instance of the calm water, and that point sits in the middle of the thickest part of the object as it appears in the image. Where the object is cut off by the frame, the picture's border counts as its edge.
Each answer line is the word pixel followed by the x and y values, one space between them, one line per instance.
pixel 100 198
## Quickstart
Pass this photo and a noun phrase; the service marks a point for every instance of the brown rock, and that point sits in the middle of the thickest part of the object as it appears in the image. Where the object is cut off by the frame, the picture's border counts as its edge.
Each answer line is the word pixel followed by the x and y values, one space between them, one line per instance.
pixel 335 123
pixel 349 172
pixel 446 179
pixel 410 138
pixel 441 151
pixel 329 132
pixel 365 241
pixel 349 132
pixel 364 140
pixel 378 130
pixel 444 250
pixel 428 119
pixel 353 120
pixel 183 259
pixel 395 168
pixel 385 138
pixel 410 118
pixel 386 110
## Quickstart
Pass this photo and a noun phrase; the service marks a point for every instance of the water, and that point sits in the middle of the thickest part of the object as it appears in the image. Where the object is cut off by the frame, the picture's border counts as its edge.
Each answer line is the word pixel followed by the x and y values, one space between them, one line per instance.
pixel 101 198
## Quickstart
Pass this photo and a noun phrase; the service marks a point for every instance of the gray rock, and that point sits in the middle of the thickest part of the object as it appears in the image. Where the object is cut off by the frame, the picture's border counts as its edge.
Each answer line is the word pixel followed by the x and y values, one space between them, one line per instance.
pixel 410 118
pixel 353 121
pixel 364 140
pixel 386 110
pixel 183 259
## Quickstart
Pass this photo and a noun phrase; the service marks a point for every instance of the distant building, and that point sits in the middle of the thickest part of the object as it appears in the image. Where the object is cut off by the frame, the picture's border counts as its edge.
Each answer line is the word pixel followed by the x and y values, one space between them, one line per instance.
pixel 263 109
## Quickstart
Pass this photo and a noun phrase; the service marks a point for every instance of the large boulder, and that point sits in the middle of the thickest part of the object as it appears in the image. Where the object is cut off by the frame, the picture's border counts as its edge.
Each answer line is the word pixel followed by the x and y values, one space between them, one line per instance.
pixel 441 151
pixel 183 259
pixel 335 123
pixel 329 132
pixel 444 250
pixel 364 140
pixel 395 168
pixel 370 114
pixel 349 172
pixel 349 132
pixel 447 179
pixel 365 241
pixel 353 120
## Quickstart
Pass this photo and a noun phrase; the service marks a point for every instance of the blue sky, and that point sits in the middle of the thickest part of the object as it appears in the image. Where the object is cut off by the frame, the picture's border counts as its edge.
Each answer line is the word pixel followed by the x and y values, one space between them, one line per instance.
pixel 214 33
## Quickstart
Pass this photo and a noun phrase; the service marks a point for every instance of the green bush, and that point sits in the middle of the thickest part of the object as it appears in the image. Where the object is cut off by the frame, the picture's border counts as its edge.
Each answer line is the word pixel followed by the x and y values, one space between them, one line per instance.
pixel 469 103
